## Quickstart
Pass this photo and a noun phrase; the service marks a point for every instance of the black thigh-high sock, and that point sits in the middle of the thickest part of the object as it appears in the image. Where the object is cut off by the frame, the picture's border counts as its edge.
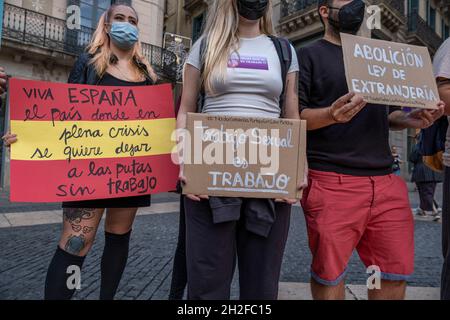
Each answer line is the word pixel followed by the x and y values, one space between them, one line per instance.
pixel 114 260
pixel 179 273
pixel 56 287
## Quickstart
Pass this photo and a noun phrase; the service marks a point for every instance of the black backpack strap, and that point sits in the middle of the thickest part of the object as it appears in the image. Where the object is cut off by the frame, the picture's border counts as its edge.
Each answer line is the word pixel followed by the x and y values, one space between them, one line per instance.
pixel 283 48
pixel 201 97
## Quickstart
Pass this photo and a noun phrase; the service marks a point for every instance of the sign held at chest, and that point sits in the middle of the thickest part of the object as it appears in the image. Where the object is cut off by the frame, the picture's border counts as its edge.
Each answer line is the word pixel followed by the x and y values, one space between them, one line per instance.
pixel 389 73
pixel 243 156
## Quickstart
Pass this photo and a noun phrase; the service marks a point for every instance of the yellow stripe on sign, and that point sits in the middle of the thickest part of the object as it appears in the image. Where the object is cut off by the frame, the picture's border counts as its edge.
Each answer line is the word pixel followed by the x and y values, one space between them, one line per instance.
pixel 72 140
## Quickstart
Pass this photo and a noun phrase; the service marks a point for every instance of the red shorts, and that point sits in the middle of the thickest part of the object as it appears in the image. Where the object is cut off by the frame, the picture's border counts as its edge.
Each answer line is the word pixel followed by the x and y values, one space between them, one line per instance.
pixel 369 214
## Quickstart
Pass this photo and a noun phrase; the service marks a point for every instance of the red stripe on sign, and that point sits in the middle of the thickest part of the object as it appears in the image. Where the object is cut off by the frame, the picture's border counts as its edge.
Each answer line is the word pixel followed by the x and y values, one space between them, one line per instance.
pixel 47 101
pixel 88 179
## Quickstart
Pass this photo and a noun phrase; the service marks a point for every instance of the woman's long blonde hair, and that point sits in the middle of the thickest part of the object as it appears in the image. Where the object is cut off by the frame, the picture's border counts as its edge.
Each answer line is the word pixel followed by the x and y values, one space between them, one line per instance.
pixel 221 34
pixel 101 52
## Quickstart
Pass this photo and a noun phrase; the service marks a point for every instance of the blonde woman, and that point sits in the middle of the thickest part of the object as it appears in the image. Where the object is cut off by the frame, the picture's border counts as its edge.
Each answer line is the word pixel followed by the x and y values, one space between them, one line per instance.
pixel 114 58
pixel 237 63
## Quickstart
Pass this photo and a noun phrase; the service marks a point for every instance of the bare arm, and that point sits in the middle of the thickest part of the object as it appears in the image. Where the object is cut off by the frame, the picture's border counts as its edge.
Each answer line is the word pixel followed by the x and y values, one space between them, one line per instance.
pixel 396 120
pixel 317 118
pixel 191 90
pixel 3 78
pixel 341 111
pixel 8 138
pixel 291 110
pixel 416 119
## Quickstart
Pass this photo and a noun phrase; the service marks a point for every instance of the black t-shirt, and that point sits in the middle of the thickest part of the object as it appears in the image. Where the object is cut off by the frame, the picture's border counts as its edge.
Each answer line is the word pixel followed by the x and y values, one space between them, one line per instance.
pixel 359 147
pixel 110 80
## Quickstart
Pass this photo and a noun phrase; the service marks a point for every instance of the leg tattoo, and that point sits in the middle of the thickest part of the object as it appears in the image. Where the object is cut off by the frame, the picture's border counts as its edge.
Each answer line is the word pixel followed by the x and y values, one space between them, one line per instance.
pixel 87 229
pixel 75 244
pixel 76 215
pixel 76 228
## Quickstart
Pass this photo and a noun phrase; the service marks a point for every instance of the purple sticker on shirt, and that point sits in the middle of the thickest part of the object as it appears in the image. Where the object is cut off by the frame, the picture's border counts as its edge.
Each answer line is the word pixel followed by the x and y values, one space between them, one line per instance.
pixel 248 62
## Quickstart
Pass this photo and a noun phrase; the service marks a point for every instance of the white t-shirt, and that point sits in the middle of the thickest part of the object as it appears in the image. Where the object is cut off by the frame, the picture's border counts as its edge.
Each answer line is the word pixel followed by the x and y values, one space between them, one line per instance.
pixel 441 66
pixel 253 84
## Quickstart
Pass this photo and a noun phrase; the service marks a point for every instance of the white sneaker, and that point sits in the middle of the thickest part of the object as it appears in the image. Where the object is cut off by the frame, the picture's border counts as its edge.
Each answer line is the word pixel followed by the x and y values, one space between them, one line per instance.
pixel 436 216
pixel 436 208
pixel 420 212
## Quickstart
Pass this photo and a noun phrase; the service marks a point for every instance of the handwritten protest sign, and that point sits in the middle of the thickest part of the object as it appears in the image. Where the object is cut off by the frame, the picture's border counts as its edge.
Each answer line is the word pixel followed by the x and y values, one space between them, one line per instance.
pixel 389 73
pixel 80 142
pixel 244 157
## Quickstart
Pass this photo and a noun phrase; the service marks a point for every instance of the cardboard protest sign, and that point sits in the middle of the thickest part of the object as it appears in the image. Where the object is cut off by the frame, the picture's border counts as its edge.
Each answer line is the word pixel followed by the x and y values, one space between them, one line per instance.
pixel 389 73
pixel 80 142
pixel 244 157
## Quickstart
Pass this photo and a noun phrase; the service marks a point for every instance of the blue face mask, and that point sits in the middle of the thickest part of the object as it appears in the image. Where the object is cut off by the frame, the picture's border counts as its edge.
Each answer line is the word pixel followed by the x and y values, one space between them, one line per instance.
pixel 124 35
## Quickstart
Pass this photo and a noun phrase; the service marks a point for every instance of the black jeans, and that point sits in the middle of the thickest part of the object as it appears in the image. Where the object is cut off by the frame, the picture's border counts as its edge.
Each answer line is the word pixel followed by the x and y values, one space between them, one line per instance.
pixel 445 277
pixel 211 251
pixel 426 194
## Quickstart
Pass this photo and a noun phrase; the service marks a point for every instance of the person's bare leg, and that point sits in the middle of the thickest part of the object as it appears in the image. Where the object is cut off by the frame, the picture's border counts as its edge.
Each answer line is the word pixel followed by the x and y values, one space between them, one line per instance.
pixel 390 290
pixel 79 229
pixel 322 292
pixel 119 220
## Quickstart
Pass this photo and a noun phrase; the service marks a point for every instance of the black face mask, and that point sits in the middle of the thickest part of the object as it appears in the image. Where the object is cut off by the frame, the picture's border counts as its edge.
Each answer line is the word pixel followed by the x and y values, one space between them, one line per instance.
pixel 351 17
pixel 252 9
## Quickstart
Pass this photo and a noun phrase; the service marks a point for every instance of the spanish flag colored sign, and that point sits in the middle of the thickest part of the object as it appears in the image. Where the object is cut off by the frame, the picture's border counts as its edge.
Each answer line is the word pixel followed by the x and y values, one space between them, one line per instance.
pixel 80 142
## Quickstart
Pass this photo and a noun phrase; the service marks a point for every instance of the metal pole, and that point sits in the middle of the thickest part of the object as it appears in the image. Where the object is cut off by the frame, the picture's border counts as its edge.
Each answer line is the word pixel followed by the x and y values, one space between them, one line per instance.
pixel 25 25
pixel 5 150
pixel 45 28
pixel 2 7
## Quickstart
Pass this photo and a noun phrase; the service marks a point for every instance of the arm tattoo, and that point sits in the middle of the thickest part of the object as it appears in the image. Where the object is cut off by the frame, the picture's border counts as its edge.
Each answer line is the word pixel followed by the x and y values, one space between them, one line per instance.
pixel 75 244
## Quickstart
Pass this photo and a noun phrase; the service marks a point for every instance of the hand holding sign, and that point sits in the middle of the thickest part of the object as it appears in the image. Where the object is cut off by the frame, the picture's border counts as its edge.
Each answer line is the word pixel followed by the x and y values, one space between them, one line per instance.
pixel 346 107
pixel 184 182
pixel 302 185
pixel 9 139
pixel 422 119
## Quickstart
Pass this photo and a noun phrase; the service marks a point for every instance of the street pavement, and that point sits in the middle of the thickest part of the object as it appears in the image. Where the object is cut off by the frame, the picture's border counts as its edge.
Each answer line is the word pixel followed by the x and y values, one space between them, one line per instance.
pixel 29 239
